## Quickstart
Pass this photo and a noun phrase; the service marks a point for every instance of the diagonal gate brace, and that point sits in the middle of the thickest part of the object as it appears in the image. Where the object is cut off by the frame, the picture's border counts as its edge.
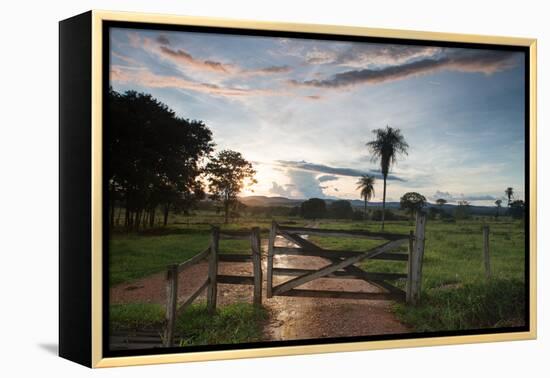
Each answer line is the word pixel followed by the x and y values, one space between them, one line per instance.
pixel 341 264
pixel 351 269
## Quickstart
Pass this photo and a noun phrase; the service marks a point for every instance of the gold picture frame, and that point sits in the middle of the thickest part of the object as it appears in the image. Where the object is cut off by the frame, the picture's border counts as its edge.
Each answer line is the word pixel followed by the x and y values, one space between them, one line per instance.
pixel 96 21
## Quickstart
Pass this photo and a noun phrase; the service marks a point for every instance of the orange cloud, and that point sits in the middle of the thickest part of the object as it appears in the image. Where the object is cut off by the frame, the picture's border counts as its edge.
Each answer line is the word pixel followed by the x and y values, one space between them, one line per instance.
pixel 143 77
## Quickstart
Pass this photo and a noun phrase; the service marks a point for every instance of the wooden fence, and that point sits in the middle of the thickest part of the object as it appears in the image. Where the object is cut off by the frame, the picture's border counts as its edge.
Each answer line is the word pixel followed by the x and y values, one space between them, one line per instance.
pixel 341 263
pixel 213 279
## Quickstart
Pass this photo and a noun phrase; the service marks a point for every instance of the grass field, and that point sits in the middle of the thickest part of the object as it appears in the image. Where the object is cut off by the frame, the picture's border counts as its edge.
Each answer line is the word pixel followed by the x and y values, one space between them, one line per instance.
pixel 455 293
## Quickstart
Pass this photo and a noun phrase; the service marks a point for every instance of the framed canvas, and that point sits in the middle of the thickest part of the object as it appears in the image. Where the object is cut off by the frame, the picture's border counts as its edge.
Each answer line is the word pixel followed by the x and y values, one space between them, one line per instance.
pixel 235 189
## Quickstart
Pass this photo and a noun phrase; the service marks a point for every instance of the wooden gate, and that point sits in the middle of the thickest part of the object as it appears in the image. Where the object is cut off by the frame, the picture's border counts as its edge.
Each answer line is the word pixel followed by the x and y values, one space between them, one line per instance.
pixel 341 263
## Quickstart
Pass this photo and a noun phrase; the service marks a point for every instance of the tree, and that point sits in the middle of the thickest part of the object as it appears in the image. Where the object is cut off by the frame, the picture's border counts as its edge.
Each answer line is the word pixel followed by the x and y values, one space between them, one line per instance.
pixel 155 157
pixel 441 202
pixel 517 209
pixel 510 194
pixel 498 204
pixel 462 211
pixel 366 185
pixel 228 173
pixel 387 146
pixel 412 202
pixel 340 209
pixel 313 208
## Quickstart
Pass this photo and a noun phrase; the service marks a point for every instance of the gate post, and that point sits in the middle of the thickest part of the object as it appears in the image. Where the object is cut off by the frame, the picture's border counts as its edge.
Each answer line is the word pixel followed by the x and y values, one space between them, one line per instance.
pixel 270 252
pixel 408 289
pixel 171 304
pixel 257 265
pixel 213 270
pixel 416 259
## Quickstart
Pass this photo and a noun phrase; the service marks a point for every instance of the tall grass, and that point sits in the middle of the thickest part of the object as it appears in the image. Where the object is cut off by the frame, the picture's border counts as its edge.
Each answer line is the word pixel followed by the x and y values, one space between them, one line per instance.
pixel 235 323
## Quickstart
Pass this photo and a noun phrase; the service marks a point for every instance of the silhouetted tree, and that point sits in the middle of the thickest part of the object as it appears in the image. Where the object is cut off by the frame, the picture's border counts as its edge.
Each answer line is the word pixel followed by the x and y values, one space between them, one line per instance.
pixel 441 202
pixel 510 194
pixel 340 209
pixel 155 157
pixel 388 144
pixel 366 185
pixel 517 209
pixel 313 208
pixel 228 173
pixel 498 204
pixel 412 202
pixel 462 211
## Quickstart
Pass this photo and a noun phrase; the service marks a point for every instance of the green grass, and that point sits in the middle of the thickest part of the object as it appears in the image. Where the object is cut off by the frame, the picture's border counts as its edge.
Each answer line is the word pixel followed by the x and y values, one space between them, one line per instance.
pixel 235 323
pixel 477 305
pixel 136 316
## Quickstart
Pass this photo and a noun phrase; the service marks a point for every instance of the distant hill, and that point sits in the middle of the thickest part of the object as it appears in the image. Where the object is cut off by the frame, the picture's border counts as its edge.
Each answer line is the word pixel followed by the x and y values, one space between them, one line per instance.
pixel 265 201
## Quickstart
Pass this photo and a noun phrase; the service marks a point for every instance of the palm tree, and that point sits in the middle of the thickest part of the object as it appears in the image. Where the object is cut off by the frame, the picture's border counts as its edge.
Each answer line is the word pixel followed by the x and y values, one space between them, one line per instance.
pixel 366 184
pixel 498 203
pixel 388 144
pixel 510 194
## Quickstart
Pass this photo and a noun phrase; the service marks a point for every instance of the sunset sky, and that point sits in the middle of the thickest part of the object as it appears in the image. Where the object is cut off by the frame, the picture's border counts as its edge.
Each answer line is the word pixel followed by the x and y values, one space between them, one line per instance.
pixel 302 110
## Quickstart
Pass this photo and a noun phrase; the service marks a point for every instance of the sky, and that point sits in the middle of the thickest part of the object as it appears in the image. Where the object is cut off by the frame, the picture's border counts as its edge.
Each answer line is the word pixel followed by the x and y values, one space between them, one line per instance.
pixel 302 110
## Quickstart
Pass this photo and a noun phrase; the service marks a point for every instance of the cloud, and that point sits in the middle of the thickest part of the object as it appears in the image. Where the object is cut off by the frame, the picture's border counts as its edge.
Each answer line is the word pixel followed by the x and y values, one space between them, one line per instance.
pixel 371 54
pixel 143 77
pixel 321 168
pixel 306 184
pixel 284 191
pixel 327 178
pixel 480 61
pixel 163 40
pixel 313 97
pixel 182 56
pixel 462 197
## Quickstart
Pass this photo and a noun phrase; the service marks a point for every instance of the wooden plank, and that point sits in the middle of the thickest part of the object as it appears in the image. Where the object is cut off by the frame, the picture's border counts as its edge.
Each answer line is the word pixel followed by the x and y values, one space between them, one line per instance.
pixel 236 258
pixel 336 266
pixel 193 260
pixel 235 235
pixel 193 296
pixel 255 245
pixel 348 233
pixel 486 256
pixel 270 253
pixel 331 254
pixel 418 257
pixel 235 280
pixel 212 295
pixel 341 294
pixel 340 274
pixel 171 304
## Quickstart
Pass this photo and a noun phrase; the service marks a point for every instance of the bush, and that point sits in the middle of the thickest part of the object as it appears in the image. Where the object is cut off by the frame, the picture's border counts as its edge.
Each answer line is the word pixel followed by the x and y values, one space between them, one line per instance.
pixel 340 210
pixel 313 208
pixel 358 216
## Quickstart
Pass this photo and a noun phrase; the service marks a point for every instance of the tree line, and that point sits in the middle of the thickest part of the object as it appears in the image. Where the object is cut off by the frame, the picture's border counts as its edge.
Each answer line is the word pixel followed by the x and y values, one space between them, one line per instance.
pixel 158 161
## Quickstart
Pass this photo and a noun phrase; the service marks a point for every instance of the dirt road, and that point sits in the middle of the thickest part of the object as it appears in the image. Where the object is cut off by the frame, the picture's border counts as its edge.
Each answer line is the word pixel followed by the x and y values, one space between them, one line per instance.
pixel 291 318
